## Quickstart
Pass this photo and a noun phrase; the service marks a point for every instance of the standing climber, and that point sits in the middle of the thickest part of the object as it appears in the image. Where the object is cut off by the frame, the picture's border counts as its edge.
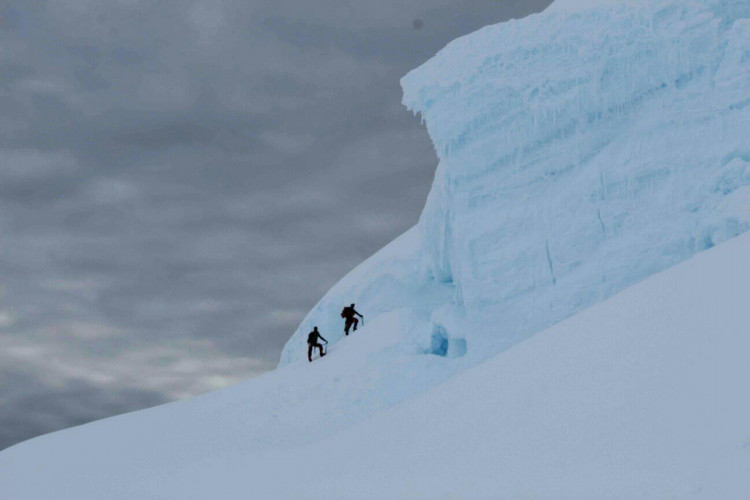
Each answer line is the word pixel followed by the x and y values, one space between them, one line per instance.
pixel 349 314
pixel 312 342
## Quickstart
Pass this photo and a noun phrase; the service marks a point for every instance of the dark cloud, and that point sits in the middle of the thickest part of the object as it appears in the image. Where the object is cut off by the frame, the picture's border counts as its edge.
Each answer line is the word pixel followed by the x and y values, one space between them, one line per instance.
pixel 32 408
pixel 181 181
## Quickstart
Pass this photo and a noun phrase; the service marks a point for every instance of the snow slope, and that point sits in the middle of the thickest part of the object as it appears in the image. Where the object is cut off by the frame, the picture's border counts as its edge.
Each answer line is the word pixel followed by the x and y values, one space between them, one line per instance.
pixel 581 151
pixel 642 396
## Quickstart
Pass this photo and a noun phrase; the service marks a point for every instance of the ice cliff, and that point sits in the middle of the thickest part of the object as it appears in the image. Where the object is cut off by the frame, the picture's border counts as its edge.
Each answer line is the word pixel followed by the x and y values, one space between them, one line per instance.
pixel 580 151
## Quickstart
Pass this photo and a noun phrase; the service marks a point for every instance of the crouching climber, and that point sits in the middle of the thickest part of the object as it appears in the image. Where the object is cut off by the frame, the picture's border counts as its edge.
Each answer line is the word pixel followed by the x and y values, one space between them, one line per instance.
pixel 312 342
pixel 349 314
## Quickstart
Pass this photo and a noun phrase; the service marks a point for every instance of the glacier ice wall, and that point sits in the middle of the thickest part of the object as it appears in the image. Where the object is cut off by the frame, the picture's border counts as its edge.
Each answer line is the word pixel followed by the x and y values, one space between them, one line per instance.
pixel 580 151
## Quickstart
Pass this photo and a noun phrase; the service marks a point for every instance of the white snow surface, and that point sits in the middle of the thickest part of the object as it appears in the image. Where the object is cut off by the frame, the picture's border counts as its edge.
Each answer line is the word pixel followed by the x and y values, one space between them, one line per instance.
pixel 581 151
pixel 642 396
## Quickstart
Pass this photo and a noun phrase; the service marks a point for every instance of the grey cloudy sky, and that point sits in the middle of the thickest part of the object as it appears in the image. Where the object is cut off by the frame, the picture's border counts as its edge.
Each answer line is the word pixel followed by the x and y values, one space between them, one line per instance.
pixel 180 181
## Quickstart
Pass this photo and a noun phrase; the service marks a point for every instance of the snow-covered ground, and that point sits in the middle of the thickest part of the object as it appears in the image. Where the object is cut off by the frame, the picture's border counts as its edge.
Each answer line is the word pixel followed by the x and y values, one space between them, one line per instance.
pixel 581 151
pixel 645 395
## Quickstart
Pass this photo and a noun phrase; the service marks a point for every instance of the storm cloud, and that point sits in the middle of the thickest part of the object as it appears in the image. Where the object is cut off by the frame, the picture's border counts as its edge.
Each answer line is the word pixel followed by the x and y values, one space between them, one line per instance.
pixel 181 181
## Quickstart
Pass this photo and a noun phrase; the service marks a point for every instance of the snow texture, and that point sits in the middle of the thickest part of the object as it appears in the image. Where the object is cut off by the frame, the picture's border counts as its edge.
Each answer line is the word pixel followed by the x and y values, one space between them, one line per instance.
pixel 581 151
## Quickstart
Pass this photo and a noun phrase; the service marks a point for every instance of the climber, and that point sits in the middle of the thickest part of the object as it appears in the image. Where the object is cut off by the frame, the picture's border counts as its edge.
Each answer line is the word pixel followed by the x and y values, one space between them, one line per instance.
pixel 312 342
pixel 348 314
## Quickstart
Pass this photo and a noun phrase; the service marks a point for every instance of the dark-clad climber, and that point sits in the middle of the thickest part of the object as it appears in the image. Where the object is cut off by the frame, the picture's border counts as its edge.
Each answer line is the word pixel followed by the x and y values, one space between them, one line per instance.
pixel 312 342
pixel 349 314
